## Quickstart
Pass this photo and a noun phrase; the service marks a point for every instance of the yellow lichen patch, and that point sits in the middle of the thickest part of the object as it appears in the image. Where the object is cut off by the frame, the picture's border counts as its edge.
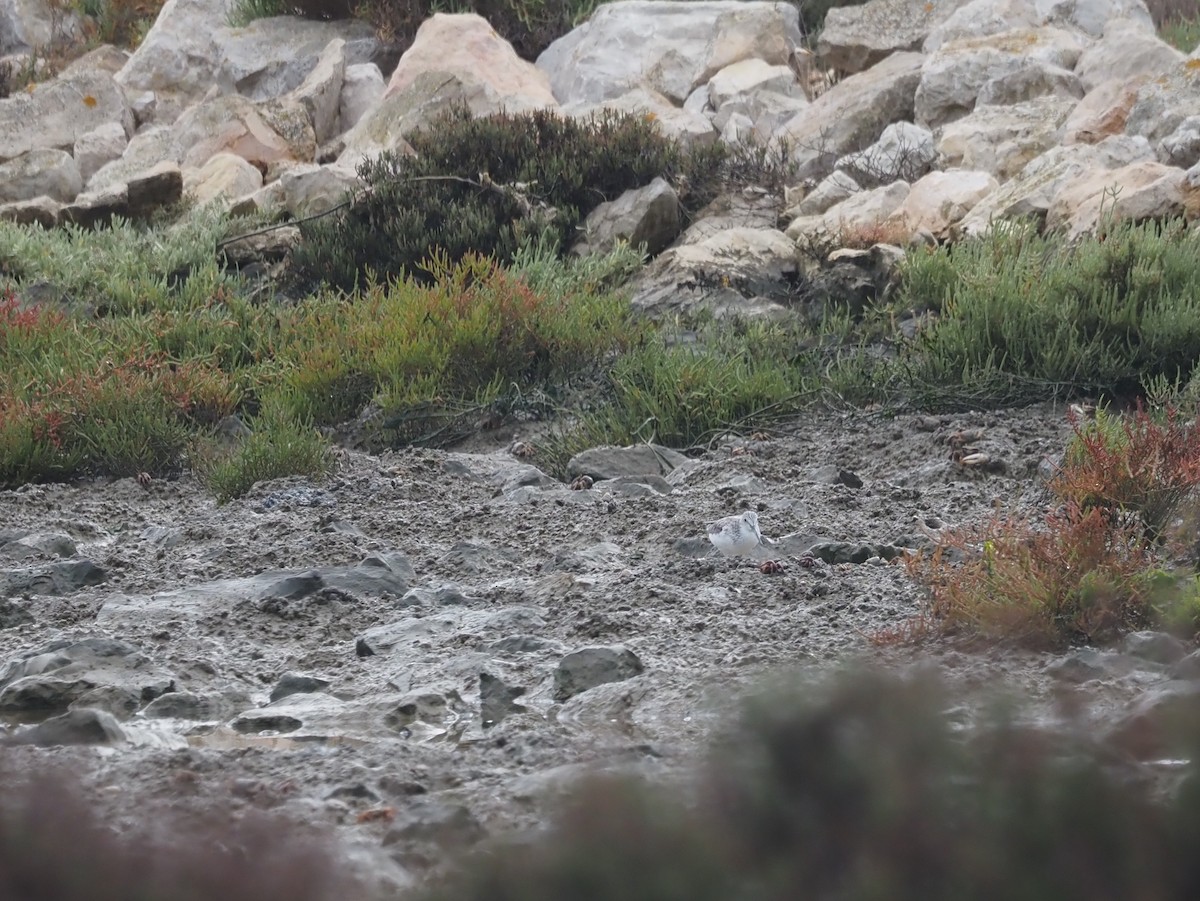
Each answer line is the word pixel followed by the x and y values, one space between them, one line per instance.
pixel 89 101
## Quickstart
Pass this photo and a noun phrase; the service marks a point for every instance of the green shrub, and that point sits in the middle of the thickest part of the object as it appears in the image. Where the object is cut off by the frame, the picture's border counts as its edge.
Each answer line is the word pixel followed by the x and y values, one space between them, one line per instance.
pixel 1023 316
pixel 487 186
pixel 277 446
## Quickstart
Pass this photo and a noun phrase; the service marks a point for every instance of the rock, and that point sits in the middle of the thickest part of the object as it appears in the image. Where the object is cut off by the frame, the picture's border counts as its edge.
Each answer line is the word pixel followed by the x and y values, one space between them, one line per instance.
pixel 1186 668
pixel 853 280
pixel 748 77
pixel 14 614
pixel 1032 79
pixel 376 576
pixel 1003 139
pixel 852 114
pixel 57 113
pixel 186 705
pixel 42 693
pixel 673 121
pixel 855 221
pixel 297 683
pixel 979 18
pixel 262 134
pixel 1127 50
pixel 99 147
pixel 647 216
pixel 40 173
pixel 613 462
pixel 43 211
pixel 941 200
pixel 854 38
pixel 309 189
pixel 1163 103
pixel 1086 664
pixel 224 177
pixel 832 190
pixel 738 271
pixel 589 667
pixel 97 208
pixel 436 822
pixel 160 185
pixel 1092 16
pixel 31 544
pixel 83 726
pixel 834 552
pixel 1158 723
pixel 1156 647
pixel 1139 191
pixel 1102 112
pixel 362 89
pixel 321 91
pixel 148 148
pixel 467 47
pixel 952 77
pixel 763 111
pixel 904 152
pixel 60 578
pixel 496 699
pixel 664 47
pixel 1182 147
pixel 29 25
pixel 177 54
pixel 834 475
pixel 1032 191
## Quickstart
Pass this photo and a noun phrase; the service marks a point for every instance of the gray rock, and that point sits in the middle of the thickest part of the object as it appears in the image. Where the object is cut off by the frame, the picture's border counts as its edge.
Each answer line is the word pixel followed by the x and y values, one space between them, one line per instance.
pixel 83 726
pixel 428 820
pixel 610 462
pixel 1159 722
pixel 49 544
pixel 496 699
pixel 1085 664
pixel 514 645
pixel 297 683
pixel 13 614
pixel 648 216
pixel 1156 647
pixel 186 705
pixel 1187 667
pixel 65 577
pixel 589 667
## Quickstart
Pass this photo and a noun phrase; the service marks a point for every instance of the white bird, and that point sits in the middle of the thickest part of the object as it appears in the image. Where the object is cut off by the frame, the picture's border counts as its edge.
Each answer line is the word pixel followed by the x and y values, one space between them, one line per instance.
pixel 736 536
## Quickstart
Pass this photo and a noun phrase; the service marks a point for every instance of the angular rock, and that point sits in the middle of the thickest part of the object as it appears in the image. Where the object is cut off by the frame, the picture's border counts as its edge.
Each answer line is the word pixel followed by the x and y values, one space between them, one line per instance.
pixel 362 89
pixel 93 209
pixel 467 47
pixel 224 177
pixel 749 76
pixel 952 77
pixel 43 211
pixel 735 271
pixel 941 200
pixel 57 113
pixel 673 121
pixel 309 189
pixel 40 173
pixel 28 25
pixel 856 220
pixel 589 667
pixel 58 578
pixel 1032 191
pixel 1156 647
pixel 160 185
pixel 82 726
pixel 146 149
pixel 321 91
pixel 852 114
pixel 1003 139
pixel 1139 191
pixel 613 462
pixel 979 18
pixel 1033 78
pixel 1165 102
pixel 1182 147
pixel 1091 16
pixel 1102 112
pixel 832 190
pixel 297 683
pixel 497 699
pixel 856 37
pixel 99 147
pixel 1127 50
pixel 648 216
pixel 665 47
pixel 904 152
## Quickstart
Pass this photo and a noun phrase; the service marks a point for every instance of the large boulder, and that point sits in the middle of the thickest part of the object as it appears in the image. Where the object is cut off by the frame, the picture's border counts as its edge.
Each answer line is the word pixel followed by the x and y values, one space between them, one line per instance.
pixel 321 91
pixel 1126 51
pixel 1003 139
pixel 953 76
pixel 50 173
pixel 1092 16
pixel 852 114
pixel 1103 111
pixel 648 216
pixel 223 178
pixel 362 88
pixel 667 47
pixel 467 47
pixel 1139 191
pixel 904 152
pixel 979 18
pixel 856 37
pixel 1031 193
pixel 55 114
pixel 26 25
pixel 675 122
pixel 941 200
pixel 1163 103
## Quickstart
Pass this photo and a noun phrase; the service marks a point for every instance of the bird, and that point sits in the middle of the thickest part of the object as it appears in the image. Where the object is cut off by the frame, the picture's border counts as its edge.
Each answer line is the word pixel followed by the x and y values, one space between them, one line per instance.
pixel 737 536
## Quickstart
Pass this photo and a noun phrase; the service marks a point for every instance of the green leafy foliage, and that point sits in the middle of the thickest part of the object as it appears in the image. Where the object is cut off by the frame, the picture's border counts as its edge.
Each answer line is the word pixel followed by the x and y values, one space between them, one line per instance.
pixel 487 186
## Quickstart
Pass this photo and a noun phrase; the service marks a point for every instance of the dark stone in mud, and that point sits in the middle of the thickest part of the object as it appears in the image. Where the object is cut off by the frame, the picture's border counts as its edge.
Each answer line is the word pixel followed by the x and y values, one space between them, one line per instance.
pixel 13 614
pixel 613 462
pixel 18 546
pixel 295 683
pixel 294 587
pixel 844 552
pixel 589 667
pixel 1156 647
pixel 83 726
pixel 266 722
pixel 184 705
pixel 60 578
pixel 1161 722
pixel 362 649
pixel 43 693
pixel 435 822
pixel 354 792
pixel 496 699
pixel 833 475
pixel 1187 668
